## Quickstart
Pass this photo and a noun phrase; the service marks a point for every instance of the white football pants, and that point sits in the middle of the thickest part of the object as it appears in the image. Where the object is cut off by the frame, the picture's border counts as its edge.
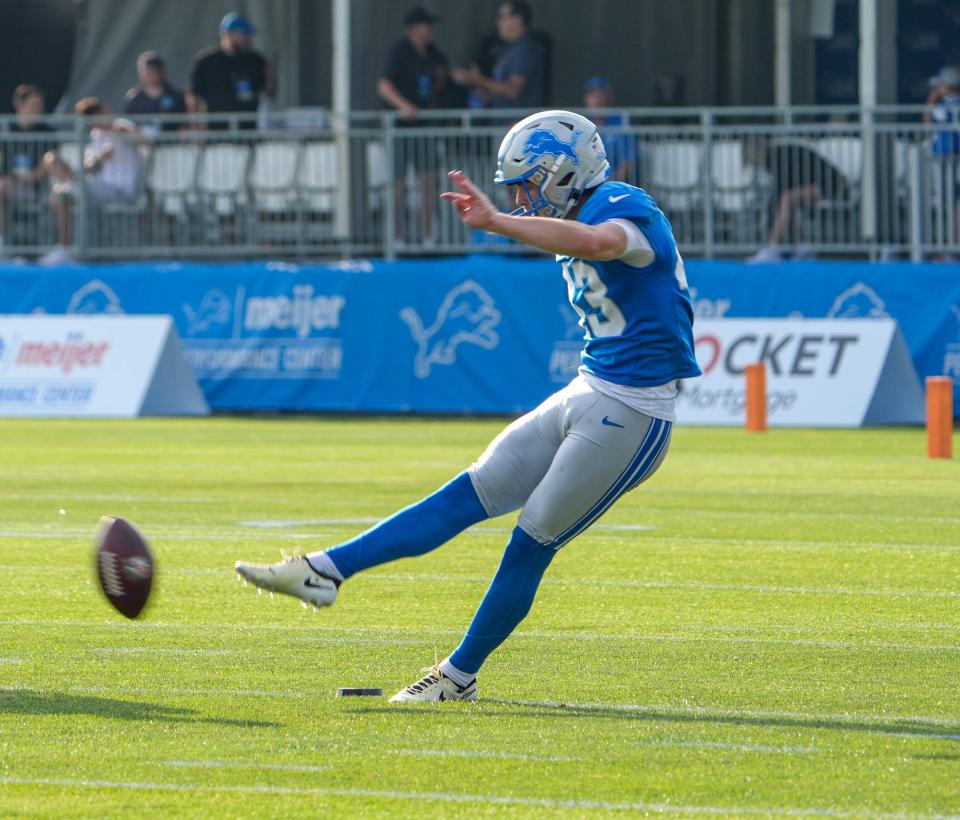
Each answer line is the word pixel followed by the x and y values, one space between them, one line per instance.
pixel 566 462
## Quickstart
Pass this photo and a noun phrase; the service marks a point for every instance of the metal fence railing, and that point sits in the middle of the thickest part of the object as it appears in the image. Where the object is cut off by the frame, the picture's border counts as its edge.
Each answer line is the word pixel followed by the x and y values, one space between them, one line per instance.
pixel 875 183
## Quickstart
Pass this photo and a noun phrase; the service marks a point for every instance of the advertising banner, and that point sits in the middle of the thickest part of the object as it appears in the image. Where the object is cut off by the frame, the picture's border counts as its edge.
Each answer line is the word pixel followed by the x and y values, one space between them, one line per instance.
pixel 820 373
pixel 476 334
pixel 94 366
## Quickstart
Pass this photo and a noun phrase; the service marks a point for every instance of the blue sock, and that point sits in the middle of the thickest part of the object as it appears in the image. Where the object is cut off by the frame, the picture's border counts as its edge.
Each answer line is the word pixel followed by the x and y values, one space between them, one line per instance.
pixel 507 602
pixel 418 529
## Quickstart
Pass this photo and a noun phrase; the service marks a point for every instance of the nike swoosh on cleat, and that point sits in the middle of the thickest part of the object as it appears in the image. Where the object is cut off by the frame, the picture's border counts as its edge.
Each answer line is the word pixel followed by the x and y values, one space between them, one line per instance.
pixel 606 420
pixel 307 583
pixel 617 198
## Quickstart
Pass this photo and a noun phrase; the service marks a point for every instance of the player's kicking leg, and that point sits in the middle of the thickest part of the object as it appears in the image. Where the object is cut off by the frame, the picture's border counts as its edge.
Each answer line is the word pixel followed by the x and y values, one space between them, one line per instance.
pixel 607 449
pixel 421 527
pixel 415 530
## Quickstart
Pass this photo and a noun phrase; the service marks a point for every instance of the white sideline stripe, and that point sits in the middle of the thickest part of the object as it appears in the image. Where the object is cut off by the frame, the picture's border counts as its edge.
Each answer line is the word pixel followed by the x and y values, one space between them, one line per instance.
pixel 229 764
pixel 447 797
pixel 705 711
pixel 361 638
pixel 492 755
pixel 921 721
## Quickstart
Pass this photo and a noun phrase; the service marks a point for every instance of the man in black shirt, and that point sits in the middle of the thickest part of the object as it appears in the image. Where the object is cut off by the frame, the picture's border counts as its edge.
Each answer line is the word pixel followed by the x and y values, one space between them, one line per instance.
pixel 23 169
pixel 231 76
pixel 414 79
pixel 154 95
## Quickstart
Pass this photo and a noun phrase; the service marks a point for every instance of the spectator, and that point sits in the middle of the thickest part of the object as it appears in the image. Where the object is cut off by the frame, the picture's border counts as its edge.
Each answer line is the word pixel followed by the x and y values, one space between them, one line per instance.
pixel 111 164
pixel 622 148
pixel 153 94
pixel 519 77
pixel 230 77
pixel 943 109
pixel 23 169
pixel 800 177
pixel 413 80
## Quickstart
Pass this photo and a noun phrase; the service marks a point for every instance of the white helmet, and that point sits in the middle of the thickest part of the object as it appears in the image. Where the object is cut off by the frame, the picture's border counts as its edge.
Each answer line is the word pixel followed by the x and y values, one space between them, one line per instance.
pixel 558 153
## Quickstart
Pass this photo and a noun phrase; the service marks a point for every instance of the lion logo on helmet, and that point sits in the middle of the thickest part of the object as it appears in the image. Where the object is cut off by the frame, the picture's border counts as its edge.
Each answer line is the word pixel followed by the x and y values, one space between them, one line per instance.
pixel 543 142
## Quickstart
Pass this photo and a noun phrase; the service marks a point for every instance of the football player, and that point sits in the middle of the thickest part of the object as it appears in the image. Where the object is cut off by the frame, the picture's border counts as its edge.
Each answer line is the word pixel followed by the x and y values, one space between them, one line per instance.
pixel 566 462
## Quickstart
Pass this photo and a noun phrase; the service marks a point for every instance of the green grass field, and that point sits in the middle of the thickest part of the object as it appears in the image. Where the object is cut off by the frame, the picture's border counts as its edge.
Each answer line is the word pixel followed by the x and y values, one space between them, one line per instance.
pixel 771 625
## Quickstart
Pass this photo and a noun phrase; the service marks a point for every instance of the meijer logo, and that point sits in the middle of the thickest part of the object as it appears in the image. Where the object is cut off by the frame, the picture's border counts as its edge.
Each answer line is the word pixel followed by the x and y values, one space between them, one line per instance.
pixel 64 356
pixel 303 313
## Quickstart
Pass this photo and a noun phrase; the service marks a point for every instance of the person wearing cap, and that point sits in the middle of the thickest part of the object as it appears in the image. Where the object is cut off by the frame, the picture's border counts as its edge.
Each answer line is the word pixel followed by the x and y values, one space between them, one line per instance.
pixel 622 148
pixel 519 75
pixel 230 77
pixel 943 108
pixel 413 80
pixel 153 94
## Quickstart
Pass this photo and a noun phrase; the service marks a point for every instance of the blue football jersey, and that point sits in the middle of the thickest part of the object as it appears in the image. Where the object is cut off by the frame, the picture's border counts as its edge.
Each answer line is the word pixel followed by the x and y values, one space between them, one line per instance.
pixel 637 322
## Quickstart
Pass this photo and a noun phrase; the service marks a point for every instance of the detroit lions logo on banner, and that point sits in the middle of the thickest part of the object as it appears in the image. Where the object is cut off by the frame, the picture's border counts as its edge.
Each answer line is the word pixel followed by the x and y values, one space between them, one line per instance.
pixel 214 309
pixel 467 315
pixel 858 302
pixel 543 143
pixel 95 297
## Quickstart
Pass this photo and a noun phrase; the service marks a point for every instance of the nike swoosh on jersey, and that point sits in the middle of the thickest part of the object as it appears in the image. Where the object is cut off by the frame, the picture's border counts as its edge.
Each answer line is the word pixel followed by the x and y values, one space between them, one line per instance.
pixel 617 198
pixel 606 420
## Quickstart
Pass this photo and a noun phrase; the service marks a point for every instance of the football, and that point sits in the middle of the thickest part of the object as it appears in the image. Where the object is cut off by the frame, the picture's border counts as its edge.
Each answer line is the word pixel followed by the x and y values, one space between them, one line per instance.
pixel 124 565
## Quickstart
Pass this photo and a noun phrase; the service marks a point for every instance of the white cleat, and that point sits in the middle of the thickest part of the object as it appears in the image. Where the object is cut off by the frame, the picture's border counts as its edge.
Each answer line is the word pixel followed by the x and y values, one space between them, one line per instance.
pixel 435 687
pixel 292 576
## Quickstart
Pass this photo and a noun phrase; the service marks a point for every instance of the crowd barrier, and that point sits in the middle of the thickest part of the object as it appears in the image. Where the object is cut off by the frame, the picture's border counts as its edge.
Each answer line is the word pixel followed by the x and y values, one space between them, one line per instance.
pixel 456 335
pixel 307 187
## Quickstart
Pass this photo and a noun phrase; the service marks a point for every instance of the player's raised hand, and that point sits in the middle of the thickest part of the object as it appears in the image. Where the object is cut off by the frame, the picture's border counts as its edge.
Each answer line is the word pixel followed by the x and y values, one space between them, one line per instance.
pixel 472 205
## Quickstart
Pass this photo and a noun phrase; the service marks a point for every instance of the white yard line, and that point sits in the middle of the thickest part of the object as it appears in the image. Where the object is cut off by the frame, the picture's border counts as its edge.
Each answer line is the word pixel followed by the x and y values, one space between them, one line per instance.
pixel 446 797
pixel 733 747
pixel 480 754
pixel 660 540
pixel 361 636
pixel 150 650
pixel 775 589
pixel 230 764
pixel 166 536
pixel 608 582
pixel 338 522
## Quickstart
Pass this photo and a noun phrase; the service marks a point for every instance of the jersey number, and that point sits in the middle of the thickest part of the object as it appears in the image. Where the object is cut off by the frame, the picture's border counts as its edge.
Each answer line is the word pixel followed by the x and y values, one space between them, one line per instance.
pixel 600 316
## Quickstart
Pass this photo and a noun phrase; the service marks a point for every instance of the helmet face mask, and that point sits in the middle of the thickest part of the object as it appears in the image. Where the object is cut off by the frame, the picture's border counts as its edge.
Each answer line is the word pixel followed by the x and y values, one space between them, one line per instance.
pixel 555 156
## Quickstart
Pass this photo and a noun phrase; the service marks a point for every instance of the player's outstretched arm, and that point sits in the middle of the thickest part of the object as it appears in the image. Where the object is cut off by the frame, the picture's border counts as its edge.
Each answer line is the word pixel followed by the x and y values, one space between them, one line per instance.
pixel 558 236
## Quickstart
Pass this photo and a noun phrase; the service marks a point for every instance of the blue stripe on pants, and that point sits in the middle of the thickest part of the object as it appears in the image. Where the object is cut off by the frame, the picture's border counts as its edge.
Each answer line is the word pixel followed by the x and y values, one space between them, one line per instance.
pixel 638 469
